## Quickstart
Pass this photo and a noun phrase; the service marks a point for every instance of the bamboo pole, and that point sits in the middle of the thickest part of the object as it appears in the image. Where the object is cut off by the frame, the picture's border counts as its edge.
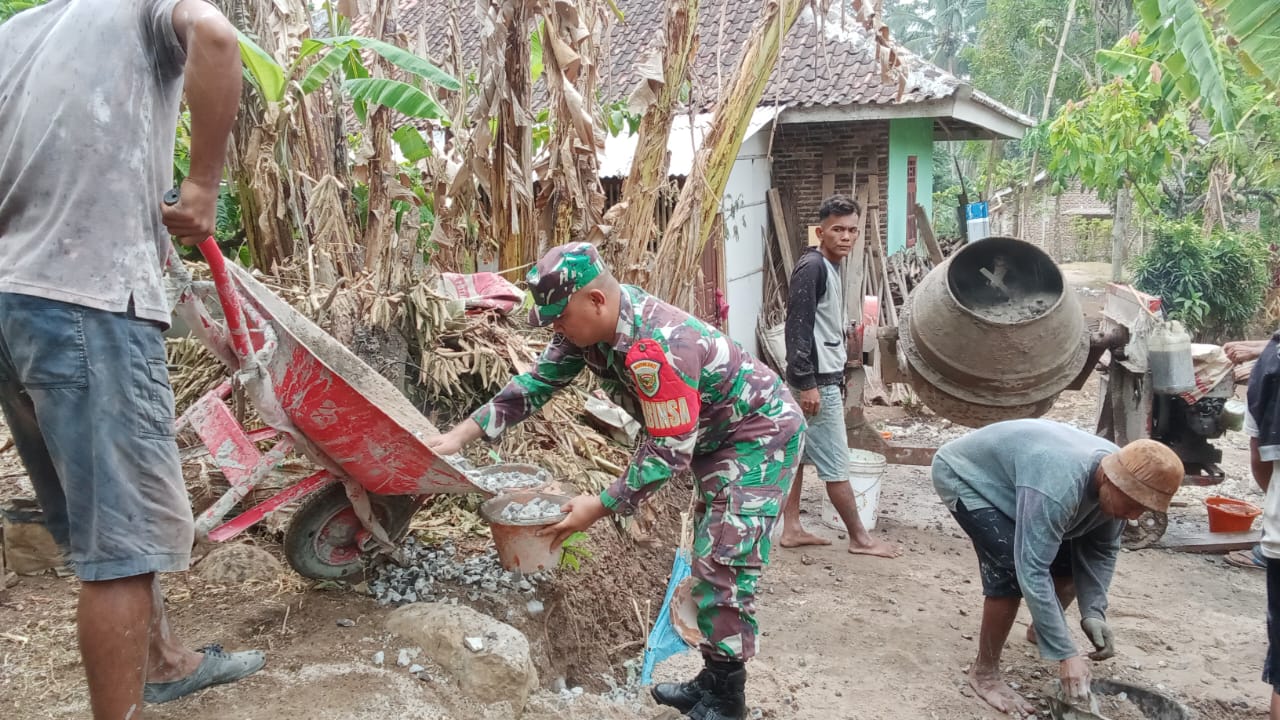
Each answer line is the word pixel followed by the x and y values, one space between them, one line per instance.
pixel 649 167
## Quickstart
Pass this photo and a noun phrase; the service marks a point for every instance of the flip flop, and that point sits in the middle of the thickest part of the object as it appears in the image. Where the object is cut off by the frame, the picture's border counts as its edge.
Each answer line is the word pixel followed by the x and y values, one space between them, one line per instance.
pixel 1243 559
pixel 217 667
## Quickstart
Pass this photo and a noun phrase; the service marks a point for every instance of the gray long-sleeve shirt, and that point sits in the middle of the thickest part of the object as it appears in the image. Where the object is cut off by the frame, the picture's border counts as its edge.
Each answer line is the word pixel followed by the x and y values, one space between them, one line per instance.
pixel 1040 473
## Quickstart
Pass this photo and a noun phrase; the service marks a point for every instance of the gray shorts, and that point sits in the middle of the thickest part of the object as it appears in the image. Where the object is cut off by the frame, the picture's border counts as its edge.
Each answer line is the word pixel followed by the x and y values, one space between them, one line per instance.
pixel 86 395
pixel 826 442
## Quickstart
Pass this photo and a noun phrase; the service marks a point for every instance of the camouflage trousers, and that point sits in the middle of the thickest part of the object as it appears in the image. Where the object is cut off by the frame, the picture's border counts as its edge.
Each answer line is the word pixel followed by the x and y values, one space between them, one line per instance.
pixel 732 540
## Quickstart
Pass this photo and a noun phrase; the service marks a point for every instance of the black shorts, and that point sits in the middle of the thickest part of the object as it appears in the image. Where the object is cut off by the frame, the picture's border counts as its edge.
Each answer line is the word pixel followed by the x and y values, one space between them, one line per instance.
pixel 1271 665
pixel 992 534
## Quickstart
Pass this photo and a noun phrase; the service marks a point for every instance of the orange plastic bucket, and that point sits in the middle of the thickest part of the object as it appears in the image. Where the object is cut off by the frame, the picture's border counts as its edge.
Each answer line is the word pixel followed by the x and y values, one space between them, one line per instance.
pixel 519 546
pixel 1230 515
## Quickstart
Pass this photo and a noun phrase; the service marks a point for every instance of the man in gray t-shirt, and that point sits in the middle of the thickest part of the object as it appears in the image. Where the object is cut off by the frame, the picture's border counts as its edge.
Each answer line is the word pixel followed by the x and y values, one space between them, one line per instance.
pixel 1045 504
pixel 89 101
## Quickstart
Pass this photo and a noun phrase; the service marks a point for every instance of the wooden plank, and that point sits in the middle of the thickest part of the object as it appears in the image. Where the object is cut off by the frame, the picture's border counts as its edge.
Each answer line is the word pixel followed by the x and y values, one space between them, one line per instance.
pixel 1198 539
pixel 785 248
pixel 925 229
pixel 854 268
pixel 878 253
pixel 812 231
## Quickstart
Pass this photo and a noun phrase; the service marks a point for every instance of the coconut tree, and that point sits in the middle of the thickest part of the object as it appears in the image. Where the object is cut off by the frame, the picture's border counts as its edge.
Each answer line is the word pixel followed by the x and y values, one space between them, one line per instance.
pixel 937 30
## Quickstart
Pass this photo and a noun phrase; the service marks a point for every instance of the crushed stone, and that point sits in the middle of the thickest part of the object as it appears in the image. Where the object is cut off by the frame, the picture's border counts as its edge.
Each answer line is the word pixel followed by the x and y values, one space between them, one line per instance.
pixel 426 573
pixel 499 482
pixel 535 509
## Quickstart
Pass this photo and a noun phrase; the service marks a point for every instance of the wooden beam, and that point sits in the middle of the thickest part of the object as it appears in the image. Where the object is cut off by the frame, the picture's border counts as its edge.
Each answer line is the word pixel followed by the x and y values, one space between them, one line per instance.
pixel 856 266
pixel 785 247
pixel 1199 540
pixel 925 228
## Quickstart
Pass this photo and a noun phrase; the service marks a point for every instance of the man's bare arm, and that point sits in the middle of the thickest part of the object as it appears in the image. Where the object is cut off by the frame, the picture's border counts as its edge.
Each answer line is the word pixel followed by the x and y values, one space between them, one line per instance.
pixel 1260 468
pixel 213 78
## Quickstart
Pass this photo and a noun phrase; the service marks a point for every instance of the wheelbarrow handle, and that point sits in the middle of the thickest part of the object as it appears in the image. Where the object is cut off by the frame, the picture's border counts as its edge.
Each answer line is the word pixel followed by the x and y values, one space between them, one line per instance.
pixel 227 295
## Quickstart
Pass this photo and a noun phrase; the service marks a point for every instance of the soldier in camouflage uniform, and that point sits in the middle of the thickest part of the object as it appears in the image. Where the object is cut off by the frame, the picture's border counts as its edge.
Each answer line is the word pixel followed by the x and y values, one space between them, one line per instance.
pixel 707 405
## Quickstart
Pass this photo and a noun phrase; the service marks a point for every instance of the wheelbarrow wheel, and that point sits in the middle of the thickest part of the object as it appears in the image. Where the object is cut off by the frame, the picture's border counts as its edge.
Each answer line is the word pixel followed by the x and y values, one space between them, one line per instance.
pixel 326 541
pixel 1145 531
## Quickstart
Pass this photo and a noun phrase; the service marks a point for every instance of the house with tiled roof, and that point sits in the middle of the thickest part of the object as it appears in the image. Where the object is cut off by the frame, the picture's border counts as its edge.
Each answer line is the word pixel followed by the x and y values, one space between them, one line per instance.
pixel 827 121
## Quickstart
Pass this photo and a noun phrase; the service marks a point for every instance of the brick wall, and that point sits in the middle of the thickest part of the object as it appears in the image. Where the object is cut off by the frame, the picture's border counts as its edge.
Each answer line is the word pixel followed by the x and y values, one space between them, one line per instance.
pixel 1072 227
pixel 798 152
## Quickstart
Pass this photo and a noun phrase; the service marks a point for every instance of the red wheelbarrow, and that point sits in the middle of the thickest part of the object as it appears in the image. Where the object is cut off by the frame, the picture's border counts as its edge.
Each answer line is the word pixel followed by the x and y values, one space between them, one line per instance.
pixel 320 401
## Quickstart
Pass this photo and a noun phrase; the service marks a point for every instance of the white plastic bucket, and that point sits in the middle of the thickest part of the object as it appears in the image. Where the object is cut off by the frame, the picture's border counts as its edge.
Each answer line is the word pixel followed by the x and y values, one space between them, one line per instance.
pixel 866 469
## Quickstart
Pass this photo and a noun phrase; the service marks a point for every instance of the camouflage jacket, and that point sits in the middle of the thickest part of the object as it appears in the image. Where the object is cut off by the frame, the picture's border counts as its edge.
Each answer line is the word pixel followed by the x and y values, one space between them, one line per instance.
pixel 698 392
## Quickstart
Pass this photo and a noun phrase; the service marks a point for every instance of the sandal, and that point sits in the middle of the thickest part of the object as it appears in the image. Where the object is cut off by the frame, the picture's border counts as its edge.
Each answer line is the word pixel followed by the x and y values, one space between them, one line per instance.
pixel 1244 559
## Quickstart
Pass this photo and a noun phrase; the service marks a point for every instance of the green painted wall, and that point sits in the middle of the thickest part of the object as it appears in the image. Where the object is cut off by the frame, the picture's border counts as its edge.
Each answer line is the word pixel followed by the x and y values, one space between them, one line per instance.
pixel 908 137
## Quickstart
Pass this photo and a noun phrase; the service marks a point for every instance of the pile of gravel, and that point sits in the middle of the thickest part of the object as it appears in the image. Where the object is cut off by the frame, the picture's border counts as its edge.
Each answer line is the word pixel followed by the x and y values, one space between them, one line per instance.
pixel 535 509
pixel 436 574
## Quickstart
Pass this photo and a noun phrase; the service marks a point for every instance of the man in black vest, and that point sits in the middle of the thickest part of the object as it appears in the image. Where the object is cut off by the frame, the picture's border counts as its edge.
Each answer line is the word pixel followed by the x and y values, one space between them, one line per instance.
pixel 816 355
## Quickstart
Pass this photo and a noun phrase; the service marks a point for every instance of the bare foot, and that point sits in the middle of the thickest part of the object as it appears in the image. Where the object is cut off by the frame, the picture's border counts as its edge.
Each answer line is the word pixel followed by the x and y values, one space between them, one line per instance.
pixel 1031 633
pixel 802 537
pixel 992 688
pixel 874 546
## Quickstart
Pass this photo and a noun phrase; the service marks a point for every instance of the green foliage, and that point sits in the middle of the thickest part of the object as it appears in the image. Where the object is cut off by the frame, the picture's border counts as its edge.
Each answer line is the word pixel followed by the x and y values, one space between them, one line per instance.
pixel 1018 41
pixel 945 221
pixel 229 228
pixel 1188 46
pixel 1185 45
pixel 618 118
pixel 1093 238
pixel 261 70
pixel 1214 285
pixel 399 96
pixel 9 8
pixel 535 53
pixel 418 68
pixel 1123 134
pixel 937 30
pixel 1254 27
pixel 575 552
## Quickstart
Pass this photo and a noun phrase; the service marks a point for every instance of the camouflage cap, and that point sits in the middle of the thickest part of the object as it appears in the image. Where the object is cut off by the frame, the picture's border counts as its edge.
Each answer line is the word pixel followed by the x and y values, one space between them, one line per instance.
pixel 558 274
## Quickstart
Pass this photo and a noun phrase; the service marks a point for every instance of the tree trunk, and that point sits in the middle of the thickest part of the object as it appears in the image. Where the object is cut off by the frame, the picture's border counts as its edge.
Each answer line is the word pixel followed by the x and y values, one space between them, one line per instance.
pixel 381 223
pixel 252 161
pixel 1122 208
pixel 637 224
pixel 512 191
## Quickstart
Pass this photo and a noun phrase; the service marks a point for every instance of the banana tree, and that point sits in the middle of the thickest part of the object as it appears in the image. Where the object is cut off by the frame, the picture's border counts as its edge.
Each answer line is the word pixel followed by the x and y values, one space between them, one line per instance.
pixel 291 107
pixel 1185 33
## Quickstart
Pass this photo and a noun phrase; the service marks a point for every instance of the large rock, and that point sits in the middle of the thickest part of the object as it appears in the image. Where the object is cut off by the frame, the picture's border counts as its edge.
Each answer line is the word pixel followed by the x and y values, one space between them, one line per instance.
pixel 238 563
pixel 500 671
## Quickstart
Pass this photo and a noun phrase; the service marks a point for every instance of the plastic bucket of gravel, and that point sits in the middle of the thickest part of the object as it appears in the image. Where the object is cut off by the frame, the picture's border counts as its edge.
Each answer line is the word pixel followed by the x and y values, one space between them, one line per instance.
pixel 514 520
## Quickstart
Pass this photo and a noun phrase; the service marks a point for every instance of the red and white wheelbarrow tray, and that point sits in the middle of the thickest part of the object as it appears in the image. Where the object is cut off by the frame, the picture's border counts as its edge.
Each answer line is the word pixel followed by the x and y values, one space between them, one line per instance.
pixel 321 401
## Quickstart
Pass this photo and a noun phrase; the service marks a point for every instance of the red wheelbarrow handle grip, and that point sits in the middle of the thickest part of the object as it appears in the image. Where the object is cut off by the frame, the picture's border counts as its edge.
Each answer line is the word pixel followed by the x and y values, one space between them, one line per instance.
pixel 227 295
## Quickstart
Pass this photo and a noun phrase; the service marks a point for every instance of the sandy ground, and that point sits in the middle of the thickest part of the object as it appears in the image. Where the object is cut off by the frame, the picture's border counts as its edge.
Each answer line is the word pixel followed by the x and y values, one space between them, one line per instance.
pixel 843 636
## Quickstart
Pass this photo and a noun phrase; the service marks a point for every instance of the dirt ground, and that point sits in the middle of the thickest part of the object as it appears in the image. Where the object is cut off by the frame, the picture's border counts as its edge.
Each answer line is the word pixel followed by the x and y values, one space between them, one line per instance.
pixel 843 636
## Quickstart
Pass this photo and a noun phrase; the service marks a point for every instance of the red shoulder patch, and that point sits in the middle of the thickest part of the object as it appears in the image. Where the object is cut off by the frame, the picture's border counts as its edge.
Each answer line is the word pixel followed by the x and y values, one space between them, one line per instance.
pixel 669 404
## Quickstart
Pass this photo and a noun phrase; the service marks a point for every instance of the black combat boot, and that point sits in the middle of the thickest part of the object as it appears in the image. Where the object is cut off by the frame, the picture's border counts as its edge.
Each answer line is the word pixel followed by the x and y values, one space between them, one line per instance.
pixel 725 693
pixel 682 696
